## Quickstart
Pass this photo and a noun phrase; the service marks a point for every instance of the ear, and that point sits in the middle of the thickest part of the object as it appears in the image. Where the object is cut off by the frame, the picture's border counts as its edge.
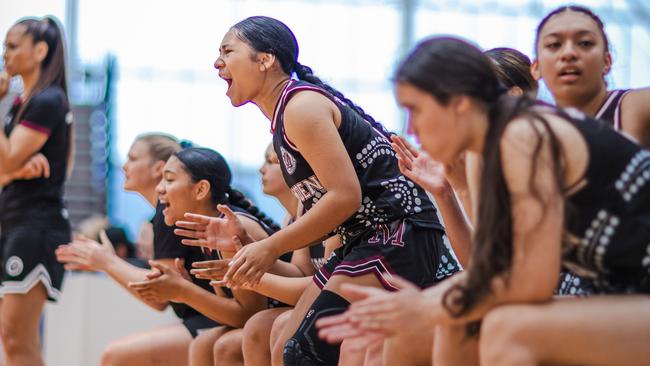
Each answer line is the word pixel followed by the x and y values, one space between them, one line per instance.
pixel 266 61
pixel 157 168
pixel 534 70
pixel 461 104
pixel 40 49
pixel 515 91
pixel 202 190
pixel 608 63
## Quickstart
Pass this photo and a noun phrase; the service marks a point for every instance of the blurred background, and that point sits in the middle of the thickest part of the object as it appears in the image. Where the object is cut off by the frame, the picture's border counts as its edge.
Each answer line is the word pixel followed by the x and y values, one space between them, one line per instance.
pixel 145 65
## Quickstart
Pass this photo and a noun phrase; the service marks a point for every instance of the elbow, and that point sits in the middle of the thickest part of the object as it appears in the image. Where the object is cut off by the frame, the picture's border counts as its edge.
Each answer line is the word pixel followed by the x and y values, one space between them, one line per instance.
pixel 352 200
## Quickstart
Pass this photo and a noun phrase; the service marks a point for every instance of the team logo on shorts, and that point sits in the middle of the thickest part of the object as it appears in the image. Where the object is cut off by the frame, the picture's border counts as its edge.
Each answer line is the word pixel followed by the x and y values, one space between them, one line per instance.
pixel 14 266
pixel 288 160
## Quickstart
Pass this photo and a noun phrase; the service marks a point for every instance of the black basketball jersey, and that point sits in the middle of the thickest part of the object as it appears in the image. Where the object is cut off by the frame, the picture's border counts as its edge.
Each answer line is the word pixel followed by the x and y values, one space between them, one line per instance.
pixel 609 217
pixel 386 193
pixel 167 245
pixel 40 199
pixel 610 110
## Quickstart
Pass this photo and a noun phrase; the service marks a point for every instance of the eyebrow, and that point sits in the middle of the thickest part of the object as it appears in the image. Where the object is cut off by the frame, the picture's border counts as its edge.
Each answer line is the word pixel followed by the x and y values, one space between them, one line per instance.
pixel 579 33
pixel 225 45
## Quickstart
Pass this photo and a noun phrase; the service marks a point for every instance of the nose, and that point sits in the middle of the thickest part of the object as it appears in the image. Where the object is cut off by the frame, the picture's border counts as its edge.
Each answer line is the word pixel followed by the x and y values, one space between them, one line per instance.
pixel 262 169
pixel 218 63
pixel 160 188
pixel 568 51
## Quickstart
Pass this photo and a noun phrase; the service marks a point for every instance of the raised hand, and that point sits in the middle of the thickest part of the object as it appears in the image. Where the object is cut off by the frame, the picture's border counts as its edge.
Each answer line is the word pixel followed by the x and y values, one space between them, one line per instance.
pixel 379 313
pixel 419 167
pixel 85 254
pixel 212 232
pixel 163 284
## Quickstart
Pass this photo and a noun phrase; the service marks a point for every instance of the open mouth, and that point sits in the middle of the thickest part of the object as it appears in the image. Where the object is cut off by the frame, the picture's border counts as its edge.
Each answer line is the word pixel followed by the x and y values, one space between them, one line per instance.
pixel 165 205
pixel 569 74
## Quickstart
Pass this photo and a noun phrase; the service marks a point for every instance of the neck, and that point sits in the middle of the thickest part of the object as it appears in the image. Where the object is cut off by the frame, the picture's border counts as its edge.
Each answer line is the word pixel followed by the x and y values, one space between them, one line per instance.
pixel 267 99
pixel 29 82
pixel 289 202
pixel 150 195
pixel 478 131
pixel 589 106
pixel 206 209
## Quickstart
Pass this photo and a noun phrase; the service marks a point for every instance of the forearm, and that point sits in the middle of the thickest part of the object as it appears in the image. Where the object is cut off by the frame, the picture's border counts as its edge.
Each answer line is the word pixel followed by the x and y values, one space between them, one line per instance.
pixel 457 228
pixel 330 211
pixel 285 289
pixel 284 269
pixel 499 295
pixel 226 311
pixel 123 273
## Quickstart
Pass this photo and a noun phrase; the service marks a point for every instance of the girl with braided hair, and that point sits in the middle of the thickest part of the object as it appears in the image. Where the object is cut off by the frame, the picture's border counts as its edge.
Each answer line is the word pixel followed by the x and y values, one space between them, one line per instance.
pixel 338 161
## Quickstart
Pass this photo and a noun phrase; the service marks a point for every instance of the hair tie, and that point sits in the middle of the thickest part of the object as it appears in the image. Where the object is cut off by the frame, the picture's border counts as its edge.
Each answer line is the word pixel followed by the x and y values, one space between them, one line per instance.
pixel 186 144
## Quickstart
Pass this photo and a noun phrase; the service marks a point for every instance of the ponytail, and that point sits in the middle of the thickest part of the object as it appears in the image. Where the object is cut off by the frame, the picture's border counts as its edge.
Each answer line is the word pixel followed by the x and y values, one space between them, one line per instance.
pixel 305 73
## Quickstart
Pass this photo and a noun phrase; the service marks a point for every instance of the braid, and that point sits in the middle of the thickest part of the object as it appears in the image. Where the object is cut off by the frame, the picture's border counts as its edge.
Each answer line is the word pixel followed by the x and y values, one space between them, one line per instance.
pixel 305 73
pixel 236 198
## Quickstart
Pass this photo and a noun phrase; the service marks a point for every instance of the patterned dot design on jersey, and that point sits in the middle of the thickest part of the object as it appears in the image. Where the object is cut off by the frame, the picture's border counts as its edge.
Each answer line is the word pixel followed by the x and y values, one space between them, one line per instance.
pixel 597 237
pixel 368 213
pixel 377 147
pixel 405 191
pixel 572 285
pixel 446 267
pixel 635 176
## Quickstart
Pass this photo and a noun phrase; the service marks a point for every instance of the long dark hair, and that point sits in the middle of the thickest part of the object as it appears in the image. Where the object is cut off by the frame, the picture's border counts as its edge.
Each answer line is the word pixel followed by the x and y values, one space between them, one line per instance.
pixel 513 69
pixel 53 71
pixel 447 67
pixel 269 35
pixel 53 65
pixel 207 164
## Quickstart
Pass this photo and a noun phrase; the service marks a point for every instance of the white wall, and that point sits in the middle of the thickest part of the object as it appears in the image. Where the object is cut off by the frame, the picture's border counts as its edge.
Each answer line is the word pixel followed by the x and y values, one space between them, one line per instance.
pixel 93 311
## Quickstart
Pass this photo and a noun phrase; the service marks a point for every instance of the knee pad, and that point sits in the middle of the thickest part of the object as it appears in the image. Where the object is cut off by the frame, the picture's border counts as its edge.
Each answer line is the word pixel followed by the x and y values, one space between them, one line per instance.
pixel 305 348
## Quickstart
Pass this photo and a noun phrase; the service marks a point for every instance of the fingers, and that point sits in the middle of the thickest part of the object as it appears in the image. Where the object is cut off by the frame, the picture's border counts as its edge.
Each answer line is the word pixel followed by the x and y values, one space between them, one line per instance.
pixel 407 149
pixel 236 242
pixel 194 234
pixel 220 283
pixel 196 218
pixel 358 292
pixel 402 283
pixel 159 266
pixel 153 275
pixel 196 243
pixel 103 238
pixel 333 320
pixel 227 212
pixel 179 265
pixel 217 263
pixel 45 165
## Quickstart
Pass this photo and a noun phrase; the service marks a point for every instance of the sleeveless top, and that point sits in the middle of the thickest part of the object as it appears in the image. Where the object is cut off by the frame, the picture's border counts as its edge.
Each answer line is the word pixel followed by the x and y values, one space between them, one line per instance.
pixel 608 219
pixel 386 194
pixel 610 110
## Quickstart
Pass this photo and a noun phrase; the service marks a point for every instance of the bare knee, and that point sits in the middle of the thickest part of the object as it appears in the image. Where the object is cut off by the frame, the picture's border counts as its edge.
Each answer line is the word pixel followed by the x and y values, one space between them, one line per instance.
pixel 227 350
pixel 16 339
pixel 256 330
pixel 116 353
pixel 201 349
pixel 505 337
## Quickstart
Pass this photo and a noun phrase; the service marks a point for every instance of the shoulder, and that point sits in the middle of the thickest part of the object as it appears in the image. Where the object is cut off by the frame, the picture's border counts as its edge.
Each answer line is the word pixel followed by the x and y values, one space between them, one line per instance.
pixel 308 104
pixel 51 96
pixel 636 99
